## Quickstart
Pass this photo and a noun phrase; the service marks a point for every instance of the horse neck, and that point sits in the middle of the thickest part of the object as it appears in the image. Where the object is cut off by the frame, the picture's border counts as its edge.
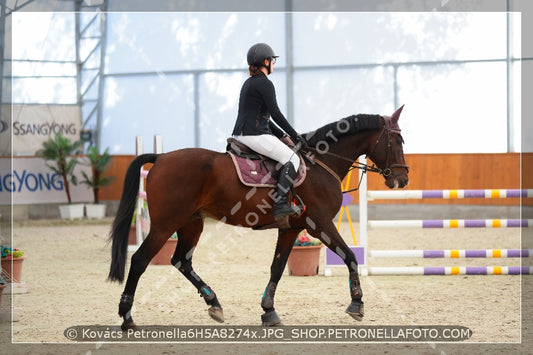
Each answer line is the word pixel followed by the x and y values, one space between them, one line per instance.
pixel 349 147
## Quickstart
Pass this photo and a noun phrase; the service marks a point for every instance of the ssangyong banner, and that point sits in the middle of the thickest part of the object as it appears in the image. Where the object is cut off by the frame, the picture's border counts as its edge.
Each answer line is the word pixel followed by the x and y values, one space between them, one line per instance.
pixel 32 182
pixel 5 130
pixel 28 126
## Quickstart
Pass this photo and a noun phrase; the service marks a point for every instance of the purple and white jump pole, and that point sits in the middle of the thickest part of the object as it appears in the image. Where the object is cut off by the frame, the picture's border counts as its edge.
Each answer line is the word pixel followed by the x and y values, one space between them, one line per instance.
pixel 362 252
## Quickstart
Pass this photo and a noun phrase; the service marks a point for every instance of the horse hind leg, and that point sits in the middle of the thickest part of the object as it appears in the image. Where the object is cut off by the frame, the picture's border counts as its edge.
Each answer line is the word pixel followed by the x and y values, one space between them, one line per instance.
pixel 139 262
pixel 188 237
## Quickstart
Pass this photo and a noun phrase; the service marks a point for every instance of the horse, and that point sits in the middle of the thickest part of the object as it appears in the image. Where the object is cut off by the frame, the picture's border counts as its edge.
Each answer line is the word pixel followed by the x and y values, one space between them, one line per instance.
pixel 188 185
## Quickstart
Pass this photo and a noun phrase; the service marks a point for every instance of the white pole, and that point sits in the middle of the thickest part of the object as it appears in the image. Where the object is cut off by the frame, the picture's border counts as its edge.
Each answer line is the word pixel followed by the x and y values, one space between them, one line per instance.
pixel 158 145
pixel 363 218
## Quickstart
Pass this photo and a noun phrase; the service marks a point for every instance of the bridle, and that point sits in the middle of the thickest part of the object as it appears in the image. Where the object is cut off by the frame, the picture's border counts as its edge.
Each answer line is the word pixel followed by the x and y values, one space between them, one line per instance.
pixel 389 130
pixel 365 167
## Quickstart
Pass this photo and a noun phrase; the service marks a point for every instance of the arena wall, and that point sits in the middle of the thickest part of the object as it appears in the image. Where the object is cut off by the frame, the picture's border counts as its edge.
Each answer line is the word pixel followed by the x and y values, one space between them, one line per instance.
pixel 427 172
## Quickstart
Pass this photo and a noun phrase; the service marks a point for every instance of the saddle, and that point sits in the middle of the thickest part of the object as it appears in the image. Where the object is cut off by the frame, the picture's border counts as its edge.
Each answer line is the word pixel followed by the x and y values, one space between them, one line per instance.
pixel 256 170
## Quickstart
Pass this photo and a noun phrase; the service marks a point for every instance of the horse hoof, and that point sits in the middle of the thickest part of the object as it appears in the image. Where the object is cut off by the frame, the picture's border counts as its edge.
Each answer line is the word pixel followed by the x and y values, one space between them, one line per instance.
pixel 216 313
pixel 357 316
pixel 129 325
pixel 356 310
pixel 271 319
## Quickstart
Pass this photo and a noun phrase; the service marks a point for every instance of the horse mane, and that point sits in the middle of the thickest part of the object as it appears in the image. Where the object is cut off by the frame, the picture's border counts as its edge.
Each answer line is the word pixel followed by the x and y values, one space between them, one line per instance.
pixel 344 127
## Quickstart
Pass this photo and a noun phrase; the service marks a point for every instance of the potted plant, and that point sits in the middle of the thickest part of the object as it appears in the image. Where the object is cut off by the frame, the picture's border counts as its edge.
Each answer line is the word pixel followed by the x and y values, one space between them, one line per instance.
pixel 304 258
pixel 164 255
pixel 12 263
pixel 99 164
pixel 59 151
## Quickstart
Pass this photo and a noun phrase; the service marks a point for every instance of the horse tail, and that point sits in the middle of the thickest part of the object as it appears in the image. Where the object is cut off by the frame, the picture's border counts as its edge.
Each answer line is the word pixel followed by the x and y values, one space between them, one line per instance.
pixel 121 224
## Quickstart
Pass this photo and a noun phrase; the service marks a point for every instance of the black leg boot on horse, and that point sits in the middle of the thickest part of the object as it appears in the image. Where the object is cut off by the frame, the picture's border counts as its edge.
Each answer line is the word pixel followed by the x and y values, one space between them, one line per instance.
pixel 282 206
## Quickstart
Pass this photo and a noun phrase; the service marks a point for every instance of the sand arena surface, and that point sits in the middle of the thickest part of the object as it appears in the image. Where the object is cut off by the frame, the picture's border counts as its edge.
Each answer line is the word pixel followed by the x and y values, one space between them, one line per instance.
pixel 67 264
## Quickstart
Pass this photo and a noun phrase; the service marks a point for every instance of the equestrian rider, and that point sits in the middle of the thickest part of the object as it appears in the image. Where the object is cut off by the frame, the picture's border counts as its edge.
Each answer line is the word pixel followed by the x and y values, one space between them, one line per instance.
pixel 255 129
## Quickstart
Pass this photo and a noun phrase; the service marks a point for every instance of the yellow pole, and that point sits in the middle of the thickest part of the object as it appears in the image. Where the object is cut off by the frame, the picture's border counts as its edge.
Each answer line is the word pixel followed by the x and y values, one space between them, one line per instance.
pixel 346 187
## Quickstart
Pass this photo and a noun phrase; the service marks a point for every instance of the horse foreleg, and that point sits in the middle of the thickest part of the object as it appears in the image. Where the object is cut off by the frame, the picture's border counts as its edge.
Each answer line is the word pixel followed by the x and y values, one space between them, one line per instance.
pixel 284 245
pixel 329 235
pixel 188 237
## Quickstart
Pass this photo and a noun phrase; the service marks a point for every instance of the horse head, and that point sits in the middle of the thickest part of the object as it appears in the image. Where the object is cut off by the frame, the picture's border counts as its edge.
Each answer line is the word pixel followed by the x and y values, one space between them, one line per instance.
pixel 387 152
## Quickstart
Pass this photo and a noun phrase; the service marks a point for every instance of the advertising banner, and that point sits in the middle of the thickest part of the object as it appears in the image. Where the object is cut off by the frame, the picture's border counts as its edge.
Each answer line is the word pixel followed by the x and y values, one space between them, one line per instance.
pixel 28 126
pixel 32 182
pixel 5 130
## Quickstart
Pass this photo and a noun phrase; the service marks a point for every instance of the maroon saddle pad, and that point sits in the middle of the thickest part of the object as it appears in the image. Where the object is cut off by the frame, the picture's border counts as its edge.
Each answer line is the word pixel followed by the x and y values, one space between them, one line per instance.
pixel 256 170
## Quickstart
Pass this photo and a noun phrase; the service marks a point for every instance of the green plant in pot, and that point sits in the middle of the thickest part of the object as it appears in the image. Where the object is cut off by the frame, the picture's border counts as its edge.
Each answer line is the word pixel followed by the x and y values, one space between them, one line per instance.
pixel 58 153
pixel 99 164
pixel 12 259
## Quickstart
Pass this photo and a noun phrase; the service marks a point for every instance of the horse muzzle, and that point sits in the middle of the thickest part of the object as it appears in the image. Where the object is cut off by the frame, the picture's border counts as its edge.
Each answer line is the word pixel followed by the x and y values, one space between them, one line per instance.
pixel 394 181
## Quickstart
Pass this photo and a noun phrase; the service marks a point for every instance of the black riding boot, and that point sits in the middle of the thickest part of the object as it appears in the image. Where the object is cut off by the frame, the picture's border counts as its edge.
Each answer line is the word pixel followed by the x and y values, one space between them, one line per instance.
pixel 282 207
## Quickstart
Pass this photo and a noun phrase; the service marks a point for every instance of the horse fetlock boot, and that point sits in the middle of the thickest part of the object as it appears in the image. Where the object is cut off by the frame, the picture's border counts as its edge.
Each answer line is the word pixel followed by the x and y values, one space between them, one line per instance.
pixel 356 308
pixel 207 293
pixel 124 310
pixel 355 286
pixel 267 302
pixel 126 302
pixel 282 207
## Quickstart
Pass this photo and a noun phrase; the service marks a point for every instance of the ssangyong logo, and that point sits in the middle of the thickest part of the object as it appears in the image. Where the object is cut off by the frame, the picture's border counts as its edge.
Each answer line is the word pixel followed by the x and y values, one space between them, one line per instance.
pixel 3 126
pixel 43 129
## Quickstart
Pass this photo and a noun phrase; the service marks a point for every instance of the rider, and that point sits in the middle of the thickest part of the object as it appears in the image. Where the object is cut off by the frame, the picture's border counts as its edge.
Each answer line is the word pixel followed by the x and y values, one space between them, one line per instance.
pixel 257 104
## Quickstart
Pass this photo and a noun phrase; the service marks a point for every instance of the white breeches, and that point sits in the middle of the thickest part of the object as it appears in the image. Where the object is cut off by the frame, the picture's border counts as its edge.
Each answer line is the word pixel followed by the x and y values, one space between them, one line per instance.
pixel 270 146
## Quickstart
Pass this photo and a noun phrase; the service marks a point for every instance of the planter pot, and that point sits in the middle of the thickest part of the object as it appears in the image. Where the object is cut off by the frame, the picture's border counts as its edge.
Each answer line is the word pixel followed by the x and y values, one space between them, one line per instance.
pixel 304 261
pixel 13 270
pixel 95 210
pixel 72 211
pixel 165 254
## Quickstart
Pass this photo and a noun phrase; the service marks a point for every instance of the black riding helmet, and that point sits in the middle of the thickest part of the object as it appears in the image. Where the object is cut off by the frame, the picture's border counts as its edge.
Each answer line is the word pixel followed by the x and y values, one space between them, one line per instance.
pixel 258 53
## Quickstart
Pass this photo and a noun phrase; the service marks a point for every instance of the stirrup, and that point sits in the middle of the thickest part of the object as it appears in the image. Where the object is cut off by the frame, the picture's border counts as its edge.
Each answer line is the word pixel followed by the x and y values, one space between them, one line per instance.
pixel 289 211
pixel 297 202
pixel 294 207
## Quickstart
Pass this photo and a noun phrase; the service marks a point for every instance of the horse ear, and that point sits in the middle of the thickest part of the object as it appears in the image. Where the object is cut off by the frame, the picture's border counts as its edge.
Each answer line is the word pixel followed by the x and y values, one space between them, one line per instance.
pixel 396 115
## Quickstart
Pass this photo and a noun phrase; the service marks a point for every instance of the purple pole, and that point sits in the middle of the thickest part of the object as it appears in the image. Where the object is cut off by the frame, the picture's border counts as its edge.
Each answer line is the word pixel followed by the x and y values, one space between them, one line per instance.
pixel 433 223
pixel 475 223
pixel 476 270
pixel 516 270
pixel 433 270
pixel 433 254
pixel 516 193
pixel 474 193
pixel 432 194
pixel 517 223
pixel 475 253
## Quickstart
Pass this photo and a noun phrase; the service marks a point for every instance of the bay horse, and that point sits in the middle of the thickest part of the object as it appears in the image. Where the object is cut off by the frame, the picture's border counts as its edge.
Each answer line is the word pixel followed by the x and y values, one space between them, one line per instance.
pixel 185 186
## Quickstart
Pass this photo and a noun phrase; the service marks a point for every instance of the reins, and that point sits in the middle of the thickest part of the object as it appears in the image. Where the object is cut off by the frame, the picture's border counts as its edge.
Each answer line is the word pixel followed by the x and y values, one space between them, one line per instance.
pixel 355 165
pixel 361 166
